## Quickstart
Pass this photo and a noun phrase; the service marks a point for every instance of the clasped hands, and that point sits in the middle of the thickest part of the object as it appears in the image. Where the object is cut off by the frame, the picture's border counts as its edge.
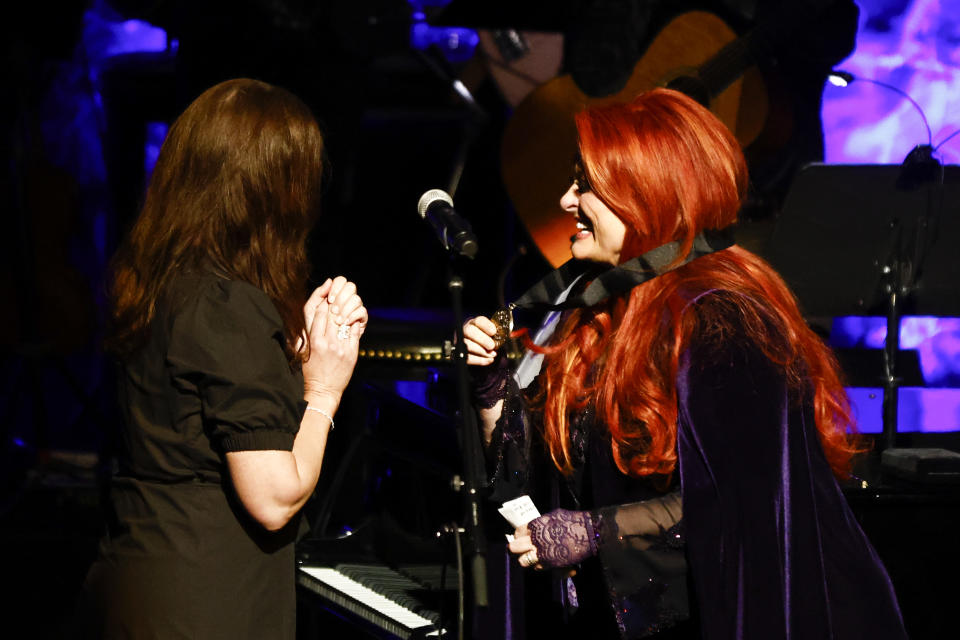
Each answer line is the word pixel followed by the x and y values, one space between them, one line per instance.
pixel 560 538
pixel 335 318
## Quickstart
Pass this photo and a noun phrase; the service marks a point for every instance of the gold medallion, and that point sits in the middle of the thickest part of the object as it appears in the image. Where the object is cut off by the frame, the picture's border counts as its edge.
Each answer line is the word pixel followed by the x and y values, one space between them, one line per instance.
pixel 503 318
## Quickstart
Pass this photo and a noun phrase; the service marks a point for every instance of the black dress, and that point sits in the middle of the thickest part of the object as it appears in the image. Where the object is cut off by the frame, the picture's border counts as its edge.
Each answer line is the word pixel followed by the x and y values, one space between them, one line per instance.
pixel 181 557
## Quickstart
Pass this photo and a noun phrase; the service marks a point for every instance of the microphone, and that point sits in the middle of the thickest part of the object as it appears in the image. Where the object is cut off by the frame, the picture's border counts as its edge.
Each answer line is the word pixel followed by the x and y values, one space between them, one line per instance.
pixel 454 232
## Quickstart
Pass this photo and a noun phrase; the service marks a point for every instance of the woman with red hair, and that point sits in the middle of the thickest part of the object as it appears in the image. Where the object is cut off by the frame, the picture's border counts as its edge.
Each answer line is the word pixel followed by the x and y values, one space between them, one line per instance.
pixel 682 420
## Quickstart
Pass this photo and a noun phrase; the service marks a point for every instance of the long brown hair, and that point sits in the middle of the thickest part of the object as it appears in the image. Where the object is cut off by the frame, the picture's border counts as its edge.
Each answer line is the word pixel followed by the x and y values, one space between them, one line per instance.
pixel 670 169
pixel 236 188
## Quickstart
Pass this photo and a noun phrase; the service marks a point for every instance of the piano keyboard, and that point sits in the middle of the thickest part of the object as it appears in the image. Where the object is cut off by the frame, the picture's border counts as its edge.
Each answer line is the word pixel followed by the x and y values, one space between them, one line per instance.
pixel 375 593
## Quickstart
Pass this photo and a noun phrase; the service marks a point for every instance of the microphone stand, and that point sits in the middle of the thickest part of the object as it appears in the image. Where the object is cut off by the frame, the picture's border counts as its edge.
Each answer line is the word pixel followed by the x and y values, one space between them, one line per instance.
pixel 474 472
pixel 919 170
pixel 473 467
pixel 896 288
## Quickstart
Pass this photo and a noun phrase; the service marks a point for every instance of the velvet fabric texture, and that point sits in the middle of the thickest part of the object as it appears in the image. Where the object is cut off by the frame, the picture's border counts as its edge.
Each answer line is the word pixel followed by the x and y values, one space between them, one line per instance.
pixel 758 542
pixel 774 548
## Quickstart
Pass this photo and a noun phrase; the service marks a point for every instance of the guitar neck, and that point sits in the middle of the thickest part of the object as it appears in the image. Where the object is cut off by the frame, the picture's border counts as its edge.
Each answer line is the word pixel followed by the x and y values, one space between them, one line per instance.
pixel 729 63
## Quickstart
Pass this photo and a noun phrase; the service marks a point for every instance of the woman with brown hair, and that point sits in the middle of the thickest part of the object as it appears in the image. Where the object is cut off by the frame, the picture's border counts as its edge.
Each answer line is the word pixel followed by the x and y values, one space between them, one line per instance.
pixel 685 425
pixel 228 382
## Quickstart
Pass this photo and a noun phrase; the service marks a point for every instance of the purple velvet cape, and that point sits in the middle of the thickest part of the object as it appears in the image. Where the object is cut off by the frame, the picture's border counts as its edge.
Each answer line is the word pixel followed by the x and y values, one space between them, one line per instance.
pixel 773 547
pixel 765 545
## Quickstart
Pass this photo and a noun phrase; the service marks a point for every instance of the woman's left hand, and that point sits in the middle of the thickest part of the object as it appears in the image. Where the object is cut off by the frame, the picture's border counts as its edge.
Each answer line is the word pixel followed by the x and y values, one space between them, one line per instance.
pixel 523 547
pixel 335 319
pixel 345 306
pixel 560 538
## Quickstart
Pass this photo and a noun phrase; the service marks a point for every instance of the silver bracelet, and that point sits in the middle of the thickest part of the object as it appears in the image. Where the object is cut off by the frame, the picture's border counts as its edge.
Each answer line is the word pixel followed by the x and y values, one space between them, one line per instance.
pixel 324 414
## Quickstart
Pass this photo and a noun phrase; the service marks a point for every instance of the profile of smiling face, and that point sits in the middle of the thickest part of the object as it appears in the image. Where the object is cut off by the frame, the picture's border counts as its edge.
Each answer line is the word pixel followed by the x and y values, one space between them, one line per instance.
pixel 600 232
pixel 658 169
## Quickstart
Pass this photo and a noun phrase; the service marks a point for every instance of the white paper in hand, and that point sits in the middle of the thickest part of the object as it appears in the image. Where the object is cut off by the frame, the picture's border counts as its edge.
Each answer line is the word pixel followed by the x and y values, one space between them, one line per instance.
pixel 519 511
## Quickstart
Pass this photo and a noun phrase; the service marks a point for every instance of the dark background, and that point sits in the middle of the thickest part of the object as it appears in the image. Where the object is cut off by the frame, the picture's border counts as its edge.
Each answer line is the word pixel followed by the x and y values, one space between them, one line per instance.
pixel 76 129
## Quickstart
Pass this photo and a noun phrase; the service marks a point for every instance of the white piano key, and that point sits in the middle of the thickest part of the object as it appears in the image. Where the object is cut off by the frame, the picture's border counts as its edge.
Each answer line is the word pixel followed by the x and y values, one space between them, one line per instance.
pixel 368 597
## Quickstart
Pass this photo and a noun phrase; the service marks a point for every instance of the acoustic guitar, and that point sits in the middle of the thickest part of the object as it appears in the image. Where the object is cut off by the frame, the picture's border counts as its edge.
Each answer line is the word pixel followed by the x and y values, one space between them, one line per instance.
pixel 696 52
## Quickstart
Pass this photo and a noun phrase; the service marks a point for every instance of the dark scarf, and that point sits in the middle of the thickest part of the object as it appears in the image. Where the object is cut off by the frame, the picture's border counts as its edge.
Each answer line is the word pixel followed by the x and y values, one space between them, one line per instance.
pixel 606 281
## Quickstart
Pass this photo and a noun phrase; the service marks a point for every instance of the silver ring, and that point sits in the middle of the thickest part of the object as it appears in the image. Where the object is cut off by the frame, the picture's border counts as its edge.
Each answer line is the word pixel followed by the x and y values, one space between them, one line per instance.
pixel 343 332
pixel 529 558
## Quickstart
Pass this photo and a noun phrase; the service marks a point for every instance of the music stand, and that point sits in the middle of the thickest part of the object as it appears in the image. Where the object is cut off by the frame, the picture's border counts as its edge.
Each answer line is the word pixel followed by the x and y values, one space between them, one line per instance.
pixel 862 240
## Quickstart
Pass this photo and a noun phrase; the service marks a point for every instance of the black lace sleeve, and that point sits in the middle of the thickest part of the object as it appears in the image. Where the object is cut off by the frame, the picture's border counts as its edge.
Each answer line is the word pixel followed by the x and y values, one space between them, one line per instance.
pixel 507 456
pixel 641 549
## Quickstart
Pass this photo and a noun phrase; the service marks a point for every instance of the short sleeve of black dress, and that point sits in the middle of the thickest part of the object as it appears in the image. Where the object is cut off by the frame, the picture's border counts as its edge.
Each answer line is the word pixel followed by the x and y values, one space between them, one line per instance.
pixel 226 344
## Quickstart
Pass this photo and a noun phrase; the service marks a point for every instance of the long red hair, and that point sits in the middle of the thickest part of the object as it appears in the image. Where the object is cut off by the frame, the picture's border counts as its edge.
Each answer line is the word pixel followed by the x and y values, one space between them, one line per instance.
pixel 236 188
pixel 670 169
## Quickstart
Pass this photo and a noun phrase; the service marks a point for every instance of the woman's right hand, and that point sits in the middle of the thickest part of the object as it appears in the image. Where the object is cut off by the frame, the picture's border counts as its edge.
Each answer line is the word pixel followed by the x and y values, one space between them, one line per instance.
pixel 490 382
pixel 479 337
pixel 333 351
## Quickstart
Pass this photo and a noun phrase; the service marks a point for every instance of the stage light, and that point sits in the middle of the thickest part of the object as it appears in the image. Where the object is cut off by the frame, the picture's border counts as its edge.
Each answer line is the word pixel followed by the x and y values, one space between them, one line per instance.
pixel 841 78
